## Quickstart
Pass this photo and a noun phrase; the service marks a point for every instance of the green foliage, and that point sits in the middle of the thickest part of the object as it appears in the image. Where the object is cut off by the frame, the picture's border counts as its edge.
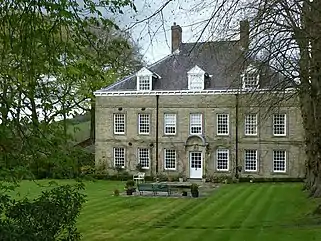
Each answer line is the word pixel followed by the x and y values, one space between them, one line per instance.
pixel 52 216
pixel 130 184
pixel 116 192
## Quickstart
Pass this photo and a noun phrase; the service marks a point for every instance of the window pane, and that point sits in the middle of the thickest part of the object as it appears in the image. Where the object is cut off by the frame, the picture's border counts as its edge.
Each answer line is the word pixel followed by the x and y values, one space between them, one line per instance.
pixel 119 157
pixel 119 123
pixel 143 157
pixel 196 81
pixel 195 123
pixel 250 160
pixel 279 161
pixel 143 123
pixel 251 124
pixel 170 159
pixel 222 124
pixel 279 124
pixel 250 80
pixel 222 159
pixel 170 124
pixel 144 83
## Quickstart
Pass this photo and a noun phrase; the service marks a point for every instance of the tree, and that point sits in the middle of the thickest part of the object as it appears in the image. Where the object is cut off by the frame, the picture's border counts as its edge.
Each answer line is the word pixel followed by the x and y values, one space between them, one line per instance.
pixel 42 45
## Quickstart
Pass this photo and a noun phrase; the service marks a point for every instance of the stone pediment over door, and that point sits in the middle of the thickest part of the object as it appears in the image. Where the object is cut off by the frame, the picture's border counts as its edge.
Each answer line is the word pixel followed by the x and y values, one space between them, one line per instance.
pixel 195 142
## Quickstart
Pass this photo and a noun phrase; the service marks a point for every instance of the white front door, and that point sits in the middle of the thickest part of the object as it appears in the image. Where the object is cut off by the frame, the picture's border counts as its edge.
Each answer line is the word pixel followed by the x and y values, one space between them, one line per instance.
pixel 195 164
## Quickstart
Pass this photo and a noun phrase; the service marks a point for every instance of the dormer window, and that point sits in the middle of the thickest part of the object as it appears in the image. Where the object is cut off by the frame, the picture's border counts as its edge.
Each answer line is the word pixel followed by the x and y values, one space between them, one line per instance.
pixel 250 78
pixel 144 82
pixel 145 79
pixel 196 78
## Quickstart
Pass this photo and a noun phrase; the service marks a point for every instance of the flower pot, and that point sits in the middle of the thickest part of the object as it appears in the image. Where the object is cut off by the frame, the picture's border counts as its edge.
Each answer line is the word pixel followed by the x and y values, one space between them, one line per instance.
pixel 180 179
pixel 130 191
pixel 203 180
pixel 195 193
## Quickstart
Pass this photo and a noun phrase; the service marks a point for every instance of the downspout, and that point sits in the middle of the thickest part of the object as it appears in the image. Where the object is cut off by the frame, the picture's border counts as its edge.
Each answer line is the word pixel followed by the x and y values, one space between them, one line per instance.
pixel 236 136
pixel 156 135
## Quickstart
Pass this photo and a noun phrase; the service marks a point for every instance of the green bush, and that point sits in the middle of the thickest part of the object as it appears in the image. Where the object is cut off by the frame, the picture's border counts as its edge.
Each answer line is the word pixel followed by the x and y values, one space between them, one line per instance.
pixel 52 216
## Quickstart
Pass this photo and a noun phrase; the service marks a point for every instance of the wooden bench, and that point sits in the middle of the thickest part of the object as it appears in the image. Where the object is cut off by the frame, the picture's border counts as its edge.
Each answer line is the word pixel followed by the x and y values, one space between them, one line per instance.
pixel 153 187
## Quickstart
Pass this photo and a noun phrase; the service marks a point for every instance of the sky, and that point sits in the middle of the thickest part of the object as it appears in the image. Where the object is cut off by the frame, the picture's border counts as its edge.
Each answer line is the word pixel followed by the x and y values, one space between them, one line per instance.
pixel 154 35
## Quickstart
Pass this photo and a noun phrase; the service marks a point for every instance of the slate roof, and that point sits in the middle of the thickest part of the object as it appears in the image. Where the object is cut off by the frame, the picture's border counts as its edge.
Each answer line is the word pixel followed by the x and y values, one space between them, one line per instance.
pixel 222 60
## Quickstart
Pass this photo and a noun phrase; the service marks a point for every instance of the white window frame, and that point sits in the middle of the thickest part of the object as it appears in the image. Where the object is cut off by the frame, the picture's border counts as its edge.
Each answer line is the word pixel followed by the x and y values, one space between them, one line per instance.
pixel 196 78
pixel 170 155
pixel 193 124
pixel 249 125
pixel 275 126
pixel 117 124
pixel 196 82
pixel 222 151
pixel 148 82
pixel 248 158
pixel 253 73
pixel 120 159
pixel 279 160
pixel 140 124
pixel 144 74
pixel 170 121
pixel 220 124
pixel 141 154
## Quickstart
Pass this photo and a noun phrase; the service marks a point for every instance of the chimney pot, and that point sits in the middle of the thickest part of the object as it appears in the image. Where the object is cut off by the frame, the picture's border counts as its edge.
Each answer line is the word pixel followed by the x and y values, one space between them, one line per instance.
pixel 244 34
pixel 176 37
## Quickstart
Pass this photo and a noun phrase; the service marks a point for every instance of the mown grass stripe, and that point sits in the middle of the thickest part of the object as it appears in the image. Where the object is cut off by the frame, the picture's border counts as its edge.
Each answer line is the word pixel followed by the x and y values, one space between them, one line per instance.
pixel 218 210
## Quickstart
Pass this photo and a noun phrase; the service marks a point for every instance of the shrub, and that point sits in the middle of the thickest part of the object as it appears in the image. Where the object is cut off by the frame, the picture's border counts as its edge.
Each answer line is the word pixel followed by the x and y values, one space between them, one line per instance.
pixel 130 183
pixel 194 190
pixel 116 192
pixel 53 215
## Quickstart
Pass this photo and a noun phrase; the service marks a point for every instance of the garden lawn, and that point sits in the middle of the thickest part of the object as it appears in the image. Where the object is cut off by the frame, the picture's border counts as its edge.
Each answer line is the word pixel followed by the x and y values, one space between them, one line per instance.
pixel 235 212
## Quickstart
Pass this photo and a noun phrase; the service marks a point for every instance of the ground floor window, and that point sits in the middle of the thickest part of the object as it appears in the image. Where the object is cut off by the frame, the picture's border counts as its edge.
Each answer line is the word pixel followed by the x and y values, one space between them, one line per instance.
pixel 279 161
pixel 143 157
pixel 119 157
pixel 170 159
pixel 250 160
pixel 222 160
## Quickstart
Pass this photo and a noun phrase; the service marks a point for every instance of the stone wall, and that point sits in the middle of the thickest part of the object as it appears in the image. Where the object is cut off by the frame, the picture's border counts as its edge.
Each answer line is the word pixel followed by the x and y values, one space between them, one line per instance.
pixel 209 106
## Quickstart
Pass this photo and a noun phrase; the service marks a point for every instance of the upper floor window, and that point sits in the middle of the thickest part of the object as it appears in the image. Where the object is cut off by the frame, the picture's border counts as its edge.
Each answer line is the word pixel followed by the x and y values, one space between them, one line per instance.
pixel 222 124
pixel 250 164
pixel 119 157
pixel 279 124
pixel 143 123
pixel 251 124
pixel 250 78
pixel 279 161
pixel 195 123
pixel 169 124
pixel 144 83
pixel 222 160
pixel 143 157
pixel 119 123
pixel 196 78
pixel 144 79
pixel 170 159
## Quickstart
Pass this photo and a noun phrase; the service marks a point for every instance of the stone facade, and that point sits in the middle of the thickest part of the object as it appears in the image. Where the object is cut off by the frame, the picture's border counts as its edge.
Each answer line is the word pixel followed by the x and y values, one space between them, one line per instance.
pixel 208 143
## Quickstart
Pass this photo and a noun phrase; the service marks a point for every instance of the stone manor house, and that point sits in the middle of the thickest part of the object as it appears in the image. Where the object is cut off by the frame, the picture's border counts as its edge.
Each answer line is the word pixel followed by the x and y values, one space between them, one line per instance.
pixel 202 110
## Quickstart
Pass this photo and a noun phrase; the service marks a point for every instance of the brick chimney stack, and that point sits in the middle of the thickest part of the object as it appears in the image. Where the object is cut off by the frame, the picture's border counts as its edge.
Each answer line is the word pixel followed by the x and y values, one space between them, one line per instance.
pixel 176 37
pixel 244 34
